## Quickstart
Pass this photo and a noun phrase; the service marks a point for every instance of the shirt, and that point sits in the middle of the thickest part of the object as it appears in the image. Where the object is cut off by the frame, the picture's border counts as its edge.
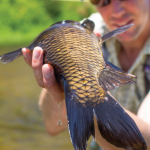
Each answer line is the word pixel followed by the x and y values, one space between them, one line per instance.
pixel 129 96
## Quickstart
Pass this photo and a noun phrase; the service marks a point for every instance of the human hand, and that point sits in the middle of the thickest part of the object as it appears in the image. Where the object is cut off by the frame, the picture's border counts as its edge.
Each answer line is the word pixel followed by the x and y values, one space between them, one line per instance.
pixel 97 33
pixel 43 73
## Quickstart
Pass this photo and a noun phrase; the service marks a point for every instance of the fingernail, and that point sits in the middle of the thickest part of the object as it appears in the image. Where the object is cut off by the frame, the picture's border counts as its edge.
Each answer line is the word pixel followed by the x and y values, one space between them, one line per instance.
pixel 46 71
pixel 25 54
pixel 36 53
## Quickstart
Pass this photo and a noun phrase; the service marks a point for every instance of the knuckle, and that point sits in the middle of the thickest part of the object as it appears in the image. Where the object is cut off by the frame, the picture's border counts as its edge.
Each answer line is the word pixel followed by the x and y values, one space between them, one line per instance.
pixel 37 73
pixel 28 62
pixel 36 64
pixel 47 84
pixel 41 84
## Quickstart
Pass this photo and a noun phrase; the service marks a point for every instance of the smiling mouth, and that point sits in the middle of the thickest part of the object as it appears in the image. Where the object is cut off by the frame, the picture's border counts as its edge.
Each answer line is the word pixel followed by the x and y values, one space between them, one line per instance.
pixel 121 24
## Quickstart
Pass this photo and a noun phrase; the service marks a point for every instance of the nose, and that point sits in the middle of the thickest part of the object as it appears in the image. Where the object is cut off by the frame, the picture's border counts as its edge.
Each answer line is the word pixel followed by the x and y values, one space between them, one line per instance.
pixel 117 8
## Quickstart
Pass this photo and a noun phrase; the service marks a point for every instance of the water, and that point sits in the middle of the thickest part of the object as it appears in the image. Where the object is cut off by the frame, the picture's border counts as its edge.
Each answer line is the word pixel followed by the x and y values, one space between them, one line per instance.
pixel 21 122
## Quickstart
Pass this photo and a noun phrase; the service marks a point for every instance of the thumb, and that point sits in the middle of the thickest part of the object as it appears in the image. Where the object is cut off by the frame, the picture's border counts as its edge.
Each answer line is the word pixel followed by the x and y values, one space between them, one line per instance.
pixel 97 33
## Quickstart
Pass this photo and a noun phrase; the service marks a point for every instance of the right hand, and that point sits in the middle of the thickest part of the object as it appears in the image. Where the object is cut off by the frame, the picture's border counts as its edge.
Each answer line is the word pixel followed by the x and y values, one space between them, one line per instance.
pixel 43 73
pixel 97 33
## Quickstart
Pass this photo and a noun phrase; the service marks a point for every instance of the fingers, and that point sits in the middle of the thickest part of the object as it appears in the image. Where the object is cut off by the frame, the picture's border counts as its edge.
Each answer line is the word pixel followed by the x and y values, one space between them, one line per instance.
pixel 37 63
pixel 97 33
pixel 51 84
pixel 44 74
pixel 27 56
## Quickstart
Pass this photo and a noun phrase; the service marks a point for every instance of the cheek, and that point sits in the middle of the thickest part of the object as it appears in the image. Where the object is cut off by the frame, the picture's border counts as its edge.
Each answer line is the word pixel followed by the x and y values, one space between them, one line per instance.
pixel 138 8
pixel 105 13
pixel 140 11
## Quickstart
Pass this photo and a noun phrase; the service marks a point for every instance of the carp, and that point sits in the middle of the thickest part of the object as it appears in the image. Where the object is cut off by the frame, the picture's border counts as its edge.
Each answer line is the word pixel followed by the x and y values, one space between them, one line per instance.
pixel 75 53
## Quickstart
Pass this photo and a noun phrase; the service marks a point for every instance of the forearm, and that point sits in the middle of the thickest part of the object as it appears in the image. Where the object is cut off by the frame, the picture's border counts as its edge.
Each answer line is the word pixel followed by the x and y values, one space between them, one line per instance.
pixel 144 110
pixel 143 126
pixel 45 78
pixel 50 112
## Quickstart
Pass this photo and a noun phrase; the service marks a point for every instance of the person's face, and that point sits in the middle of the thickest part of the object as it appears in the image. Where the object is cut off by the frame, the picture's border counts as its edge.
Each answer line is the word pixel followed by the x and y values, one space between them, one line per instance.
pixel 117 13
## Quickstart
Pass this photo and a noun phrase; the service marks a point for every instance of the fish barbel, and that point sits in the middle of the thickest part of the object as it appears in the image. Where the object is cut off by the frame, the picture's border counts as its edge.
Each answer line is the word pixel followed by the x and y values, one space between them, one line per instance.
pixel 75 53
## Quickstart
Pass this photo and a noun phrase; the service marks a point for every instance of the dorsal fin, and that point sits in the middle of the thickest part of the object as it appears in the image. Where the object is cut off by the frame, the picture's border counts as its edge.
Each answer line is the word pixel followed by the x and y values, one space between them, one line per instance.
pixel 64 22
pixel 88 24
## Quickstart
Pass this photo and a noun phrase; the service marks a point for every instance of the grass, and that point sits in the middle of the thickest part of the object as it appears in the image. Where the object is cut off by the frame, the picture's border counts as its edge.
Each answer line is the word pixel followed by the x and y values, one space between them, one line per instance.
pixel 21 122
pixel 21 21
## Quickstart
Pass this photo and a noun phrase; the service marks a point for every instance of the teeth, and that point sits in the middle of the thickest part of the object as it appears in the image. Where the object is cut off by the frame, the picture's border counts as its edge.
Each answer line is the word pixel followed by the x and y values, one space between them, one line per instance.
pixel 123 24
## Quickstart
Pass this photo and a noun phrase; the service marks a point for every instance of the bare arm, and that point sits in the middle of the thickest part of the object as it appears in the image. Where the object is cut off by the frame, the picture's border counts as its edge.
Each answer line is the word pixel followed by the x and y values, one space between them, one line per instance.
pixel 53 93
pixel 144 109
pixel 50 112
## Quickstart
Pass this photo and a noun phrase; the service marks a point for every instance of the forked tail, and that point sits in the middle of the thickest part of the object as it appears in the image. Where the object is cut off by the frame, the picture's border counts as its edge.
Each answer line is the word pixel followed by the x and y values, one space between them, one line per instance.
pixel 114 124
pixel 117 127
pixel 9 57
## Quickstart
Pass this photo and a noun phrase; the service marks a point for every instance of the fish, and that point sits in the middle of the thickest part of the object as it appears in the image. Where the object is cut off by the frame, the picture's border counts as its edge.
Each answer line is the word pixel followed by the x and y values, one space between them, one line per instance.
pixel 76 55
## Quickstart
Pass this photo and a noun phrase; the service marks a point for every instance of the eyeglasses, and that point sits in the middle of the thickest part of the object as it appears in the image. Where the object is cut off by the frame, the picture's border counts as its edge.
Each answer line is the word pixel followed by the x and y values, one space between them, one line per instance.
pixel 95 2
pixel 101 3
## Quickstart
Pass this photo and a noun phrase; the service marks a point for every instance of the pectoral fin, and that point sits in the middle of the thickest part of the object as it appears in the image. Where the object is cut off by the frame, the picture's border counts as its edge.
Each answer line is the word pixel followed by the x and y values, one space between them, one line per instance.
pixel 112 77
pixel 116 32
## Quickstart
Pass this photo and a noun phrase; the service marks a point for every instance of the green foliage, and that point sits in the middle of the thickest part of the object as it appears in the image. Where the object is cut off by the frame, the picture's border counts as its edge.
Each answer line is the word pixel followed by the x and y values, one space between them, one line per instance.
pixel 53 8
pixel 22 20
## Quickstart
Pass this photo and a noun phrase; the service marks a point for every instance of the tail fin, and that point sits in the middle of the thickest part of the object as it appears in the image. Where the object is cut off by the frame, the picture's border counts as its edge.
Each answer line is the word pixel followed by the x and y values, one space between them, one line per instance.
pixel 81 124
pixel 80 121
pixel 116 126
pixel 9 57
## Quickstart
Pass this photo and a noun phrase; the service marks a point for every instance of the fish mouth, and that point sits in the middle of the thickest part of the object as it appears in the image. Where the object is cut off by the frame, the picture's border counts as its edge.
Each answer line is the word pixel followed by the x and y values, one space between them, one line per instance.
pixel 122 23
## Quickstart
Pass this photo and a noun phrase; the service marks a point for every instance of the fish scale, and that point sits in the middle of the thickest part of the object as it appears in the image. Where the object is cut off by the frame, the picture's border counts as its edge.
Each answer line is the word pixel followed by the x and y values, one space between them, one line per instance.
pixel 76 56
pixel 68 52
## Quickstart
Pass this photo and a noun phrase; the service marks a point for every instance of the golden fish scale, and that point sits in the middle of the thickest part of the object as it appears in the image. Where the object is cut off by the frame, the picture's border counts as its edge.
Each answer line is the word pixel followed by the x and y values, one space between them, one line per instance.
pixel 79 56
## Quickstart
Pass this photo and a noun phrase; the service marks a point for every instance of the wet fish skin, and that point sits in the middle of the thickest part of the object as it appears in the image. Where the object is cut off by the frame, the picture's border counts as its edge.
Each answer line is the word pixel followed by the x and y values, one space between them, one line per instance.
pixel 76 55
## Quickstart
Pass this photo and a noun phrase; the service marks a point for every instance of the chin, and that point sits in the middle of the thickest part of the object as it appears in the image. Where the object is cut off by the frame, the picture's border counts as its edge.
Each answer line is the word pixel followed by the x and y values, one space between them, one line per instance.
pixel 125 37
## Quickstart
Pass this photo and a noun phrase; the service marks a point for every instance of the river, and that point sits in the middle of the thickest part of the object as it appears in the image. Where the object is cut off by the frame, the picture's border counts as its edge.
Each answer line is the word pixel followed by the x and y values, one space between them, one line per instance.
pixel 21 122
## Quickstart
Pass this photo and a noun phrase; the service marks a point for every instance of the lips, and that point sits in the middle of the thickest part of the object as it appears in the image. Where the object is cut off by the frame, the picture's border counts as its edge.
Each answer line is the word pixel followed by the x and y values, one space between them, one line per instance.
pixel 120 23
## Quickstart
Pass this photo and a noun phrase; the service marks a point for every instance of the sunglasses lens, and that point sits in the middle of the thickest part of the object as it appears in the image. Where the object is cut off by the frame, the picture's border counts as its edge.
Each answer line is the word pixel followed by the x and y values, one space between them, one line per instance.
pixel 95 2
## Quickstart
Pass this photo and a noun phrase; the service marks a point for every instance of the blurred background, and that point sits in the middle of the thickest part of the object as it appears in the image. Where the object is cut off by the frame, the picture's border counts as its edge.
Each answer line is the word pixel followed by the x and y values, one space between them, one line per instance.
pixel 21 122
